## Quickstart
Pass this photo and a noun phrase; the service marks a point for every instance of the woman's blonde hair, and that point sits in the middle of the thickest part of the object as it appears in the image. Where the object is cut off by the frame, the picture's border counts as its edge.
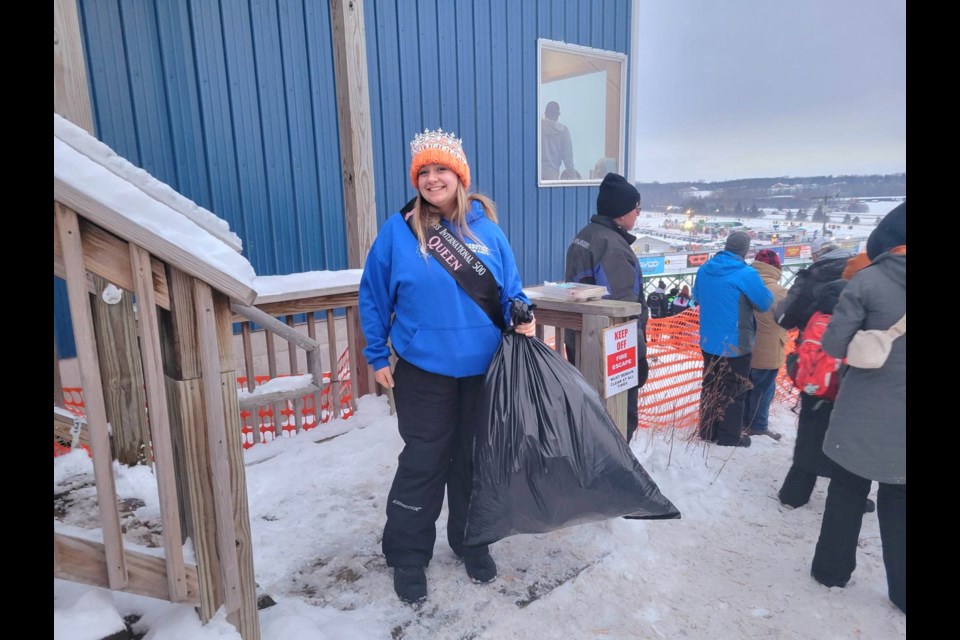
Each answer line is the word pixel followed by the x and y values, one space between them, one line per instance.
pixel 425 214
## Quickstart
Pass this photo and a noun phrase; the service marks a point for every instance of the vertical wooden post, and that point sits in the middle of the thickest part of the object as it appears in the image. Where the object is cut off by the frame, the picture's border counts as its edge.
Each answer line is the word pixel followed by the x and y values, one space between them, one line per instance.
pixel 361 375
pixel 189 430
pixel 297 403
pixel 335 408
pixel 57 381
pixel 71 98
pixel 80 315
pixel 159 422
pixel 217 444
pixel 272 372
pixel 248 355
pixel 359 385
pixel 245 618
pixel 356 145
pixel 251 375
pixel 315 368
pixel 116 331
pixel 184 363
pixel 591 366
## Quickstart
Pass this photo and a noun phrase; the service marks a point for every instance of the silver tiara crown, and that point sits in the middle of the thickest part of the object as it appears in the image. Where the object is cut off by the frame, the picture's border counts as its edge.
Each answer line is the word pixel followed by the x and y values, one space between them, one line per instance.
pixel 439 139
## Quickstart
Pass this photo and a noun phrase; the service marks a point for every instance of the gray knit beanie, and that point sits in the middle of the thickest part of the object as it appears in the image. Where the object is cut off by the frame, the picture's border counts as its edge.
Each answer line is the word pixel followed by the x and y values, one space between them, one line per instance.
pixel 739 243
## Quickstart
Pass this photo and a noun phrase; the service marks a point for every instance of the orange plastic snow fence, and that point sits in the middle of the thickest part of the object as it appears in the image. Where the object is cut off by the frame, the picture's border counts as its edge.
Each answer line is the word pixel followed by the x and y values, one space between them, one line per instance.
pixel 671 395
pixel 268 427
pixel 669 399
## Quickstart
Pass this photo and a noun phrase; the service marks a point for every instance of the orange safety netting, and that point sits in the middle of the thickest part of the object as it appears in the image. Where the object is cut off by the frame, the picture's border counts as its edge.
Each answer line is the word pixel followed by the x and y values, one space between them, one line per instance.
pixel 267 425
pixel 73 402
pixel 671 395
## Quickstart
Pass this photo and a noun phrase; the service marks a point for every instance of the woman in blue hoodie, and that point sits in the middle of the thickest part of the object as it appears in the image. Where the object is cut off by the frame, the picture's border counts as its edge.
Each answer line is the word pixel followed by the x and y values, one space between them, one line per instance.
pixel 444 341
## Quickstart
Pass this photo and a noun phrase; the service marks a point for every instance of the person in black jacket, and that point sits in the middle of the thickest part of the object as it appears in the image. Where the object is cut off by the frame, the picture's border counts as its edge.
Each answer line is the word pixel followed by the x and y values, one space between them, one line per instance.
pixel 657 301
pixel 829 260
pixel 601 254
pixel 812 291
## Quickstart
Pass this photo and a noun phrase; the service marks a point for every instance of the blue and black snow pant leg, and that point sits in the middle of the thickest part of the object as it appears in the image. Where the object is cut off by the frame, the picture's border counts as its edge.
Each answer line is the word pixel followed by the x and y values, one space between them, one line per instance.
pixel 435 416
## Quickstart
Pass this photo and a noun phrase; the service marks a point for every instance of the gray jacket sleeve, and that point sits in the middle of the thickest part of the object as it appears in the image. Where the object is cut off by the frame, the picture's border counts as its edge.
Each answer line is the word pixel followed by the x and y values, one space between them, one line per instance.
pixel 621 275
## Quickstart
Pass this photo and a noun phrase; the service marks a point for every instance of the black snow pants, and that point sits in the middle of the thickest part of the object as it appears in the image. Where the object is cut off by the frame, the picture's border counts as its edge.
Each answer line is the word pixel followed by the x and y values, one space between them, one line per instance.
pixel 725 384
pixel 436 417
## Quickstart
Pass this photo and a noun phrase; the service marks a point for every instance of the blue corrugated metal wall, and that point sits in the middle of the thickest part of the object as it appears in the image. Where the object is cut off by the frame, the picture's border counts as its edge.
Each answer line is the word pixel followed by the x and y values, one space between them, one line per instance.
pixel 232 103
pixel 471 67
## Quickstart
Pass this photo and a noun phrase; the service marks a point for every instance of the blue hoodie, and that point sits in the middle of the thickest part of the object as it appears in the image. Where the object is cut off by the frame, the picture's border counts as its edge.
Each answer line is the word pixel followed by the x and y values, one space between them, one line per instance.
pixel 728 291
pixel 430 320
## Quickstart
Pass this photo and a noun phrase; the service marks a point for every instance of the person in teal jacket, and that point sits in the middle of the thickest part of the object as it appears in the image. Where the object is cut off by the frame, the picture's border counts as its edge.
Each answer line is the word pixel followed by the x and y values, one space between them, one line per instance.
pixel 727 291
pixel 444 343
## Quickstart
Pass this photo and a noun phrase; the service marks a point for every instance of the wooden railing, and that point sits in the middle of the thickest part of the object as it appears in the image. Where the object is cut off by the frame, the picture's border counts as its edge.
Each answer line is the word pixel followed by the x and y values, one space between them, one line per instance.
pixel 332 326
pixel 183 326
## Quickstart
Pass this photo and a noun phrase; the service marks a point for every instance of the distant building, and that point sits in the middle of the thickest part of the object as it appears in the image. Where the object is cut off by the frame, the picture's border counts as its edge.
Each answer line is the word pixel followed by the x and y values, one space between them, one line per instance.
pixel 647 245
pixel 781 187
pixel 692 192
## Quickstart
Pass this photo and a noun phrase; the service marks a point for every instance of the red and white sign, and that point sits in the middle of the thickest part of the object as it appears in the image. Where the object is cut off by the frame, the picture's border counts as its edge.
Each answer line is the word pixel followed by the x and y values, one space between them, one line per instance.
pixel 620 358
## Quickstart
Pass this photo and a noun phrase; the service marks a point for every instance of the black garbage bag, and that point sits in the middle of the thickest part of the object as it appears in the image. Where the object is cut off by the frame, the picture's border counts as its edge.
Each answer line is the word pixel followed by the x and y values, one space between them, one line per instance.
pixel 547 454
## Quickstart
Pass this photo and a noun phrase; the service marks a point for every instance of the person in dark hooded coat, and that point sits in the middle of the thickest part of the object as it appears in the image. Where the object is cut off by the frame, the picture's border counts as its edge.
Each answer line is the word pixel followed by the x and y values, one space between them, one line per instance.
pixel 829 261
pixel 867 434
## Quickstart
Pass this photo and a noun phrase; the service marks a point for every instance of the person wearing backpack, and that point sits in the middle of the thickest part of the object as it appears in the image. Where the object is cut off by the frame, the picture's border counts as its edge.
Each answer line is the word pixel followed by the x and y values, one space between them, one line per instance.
pixel 657 301
pixel 867 434
pixel 817 375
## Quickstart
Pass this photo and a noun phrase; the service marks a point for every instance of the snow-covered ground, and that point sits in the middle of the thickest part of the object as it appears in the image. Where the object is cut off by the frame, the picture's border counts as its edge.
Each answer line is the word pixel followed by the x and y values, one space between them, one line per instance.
pixel 735 566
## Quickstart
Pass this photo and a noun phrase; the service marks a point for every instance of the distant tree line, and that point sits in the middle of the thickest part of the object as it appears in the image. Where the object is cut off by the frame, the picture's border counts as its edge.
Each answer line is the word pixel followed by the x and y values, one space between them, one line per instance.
pixel 746 197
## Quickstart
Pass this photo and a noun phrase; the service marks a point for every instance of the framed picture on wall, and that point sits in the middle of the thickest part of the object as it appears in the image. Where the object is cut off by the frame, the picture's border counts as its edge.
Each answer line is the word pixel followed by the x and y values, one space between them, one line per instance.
pixel 581 93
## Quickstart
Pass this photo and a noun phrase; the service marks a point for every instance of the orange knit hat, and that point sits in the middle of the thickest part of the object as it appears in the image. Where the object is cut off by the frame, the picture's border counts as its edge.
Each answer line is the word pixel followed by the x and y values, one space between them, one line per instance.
pixel 438 147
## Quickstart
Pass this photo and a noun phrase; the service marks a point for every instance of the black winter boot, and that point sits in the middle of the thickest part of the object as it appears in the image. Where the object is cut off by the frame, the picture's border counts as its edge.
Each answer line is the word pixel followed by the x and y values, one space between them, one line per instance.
pixel 410 583
pixel 480 568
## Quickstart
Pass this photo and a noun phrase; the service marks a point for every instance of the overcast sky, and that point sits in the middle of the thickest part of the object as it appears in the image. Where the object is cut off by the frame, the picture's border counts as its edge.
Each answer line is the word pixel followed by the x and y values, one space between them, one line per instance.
pixel 754 88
